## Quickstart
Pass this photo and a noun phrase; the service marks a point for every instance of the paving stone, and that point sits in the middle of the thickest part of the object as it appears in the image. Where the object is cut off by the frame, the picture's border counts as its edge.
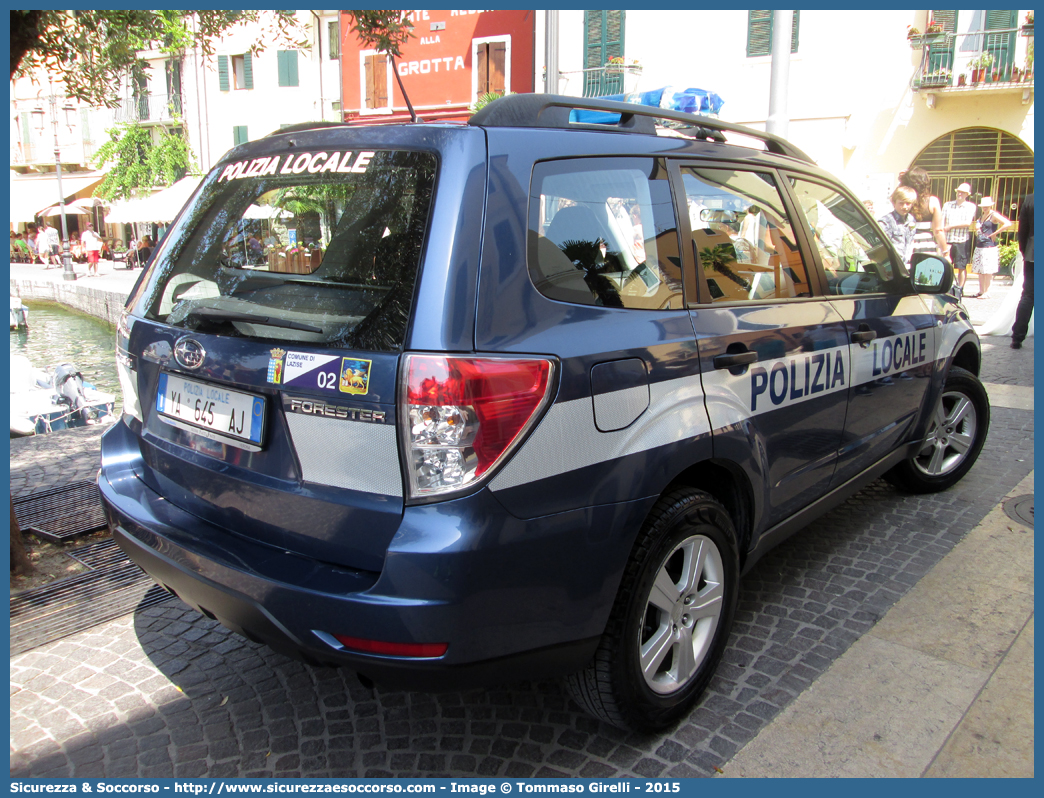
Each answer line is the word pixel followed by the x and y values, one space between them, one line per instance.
pixel 103 702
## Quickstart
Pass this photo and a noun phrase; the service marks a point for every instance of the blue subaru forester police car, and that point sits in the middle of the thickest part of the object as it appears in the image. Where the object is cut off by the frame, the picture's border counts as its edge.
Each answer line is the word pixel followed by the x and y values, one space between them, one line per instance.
pixel 454 404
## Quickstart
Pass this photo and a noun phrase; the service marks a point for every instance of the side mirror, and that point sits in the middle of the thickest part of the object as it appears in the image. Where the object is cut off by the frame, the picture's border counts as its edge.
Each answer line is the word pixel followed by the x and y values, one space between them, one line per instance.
pixel 931 274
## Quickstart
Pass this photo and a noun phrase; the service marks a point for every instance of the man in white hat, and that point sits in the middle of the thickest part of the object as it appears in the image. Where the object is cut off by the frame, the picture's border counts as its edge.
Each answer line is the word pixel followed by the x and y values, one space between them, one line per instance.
pixel 957 219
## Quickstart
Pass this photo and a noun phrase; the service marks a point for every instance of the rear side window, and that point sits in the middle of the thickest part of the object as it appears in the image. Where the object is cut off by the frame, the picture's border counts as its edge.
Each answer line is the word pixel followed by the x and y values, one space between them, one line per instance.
pixel 603 231
pixel 312 247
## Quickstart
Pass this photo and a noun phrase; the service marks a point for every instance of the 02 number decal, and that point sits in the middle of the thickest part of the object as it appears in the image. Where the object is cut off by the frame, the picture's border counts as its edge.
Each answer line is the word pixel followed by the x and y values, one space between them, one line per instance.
pixel 327 379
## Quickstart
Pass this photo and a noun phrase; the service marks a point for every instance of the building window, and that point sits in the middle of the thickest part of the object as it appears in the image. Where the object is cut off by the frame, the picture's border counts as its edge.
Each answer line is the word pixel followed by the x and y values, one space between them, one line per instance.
pixel 376 80
pixel 759 33
pixel 491 59
pixel 603 40
pixel 288 68
pixel 242 71
pixel 333 37
pixel 239 135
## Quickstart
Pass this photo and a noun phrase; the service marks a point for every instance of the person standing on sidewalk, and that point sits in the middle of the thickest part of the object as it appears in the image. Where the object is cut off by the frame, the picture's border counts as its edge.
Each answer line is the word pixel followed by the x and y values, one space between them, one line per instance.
pixel 1024 311
pixel 50 245
pixel 94 244
pixel 987 255
pixel 927 212
pixel 957 220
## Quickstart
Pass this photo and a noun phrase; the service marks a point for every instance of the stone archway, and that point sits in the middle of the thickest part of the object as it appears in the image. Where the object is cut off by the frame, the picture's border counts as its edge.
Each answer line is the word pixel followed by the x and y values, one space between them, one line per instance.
pixel 997 164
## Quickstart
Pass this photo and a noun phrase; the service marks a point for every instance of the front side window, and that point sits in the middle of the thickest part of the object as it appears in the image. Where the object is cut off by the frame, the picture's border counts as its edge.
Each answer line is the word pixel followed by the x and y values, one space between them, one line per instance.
pixel 855 258
pixel 602 231
pixel 742 236
pixel 317 247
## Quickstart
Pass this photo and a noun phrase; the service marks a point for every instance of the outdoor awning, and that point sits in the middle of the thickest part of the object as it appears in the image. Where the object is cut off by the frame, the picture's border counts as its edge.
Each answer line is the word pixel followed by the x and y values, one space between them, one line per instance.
pixel 32 193
pixel 160 207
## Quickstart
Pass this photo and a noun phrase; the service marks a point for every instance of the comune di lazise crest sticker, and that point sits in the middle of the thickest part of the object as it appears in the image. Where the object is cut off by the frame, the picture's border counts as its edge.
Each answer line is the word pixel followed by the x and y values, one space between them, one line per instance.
pixel 355 375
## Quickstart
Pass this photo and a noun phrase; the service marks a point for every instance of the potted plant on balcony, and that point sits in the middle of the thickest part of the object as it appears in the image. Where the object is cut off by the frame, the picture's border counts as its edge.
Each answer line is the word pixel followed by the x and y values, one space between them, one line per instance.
pixel 936 79
pixel 1027 26
pixel 934 33
pixel 913 35
pixel 618 64
pixel 980 67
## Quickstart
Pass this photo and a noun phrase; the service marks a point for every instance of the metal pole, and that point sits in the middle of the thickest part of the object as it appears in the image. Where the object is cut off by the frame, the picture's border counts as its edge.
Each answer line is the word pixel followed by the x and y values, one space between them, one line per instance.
pixel 779 83
pixel 551 52
pixel 67 267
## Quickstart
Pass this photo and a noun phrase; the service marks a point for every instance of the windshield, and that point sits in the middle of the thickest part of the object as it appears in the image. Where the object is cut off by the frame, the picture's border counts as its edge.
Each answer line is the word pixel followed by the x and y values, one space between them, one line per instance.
pixel 313 247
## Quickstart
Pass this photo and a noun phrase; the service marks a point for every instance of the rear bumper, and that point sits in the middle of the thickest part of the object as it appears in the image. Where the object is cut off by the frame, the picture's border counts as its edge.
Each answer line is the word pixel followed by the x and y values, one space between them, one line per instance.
pixel 514 599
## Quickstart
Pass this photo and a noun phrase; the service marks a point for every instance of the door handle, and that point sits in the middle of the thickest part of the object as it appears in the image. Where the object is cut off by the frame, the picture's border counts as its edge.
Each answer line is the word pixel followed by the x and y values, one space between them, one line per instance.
pixel 735 359
pixel 863 336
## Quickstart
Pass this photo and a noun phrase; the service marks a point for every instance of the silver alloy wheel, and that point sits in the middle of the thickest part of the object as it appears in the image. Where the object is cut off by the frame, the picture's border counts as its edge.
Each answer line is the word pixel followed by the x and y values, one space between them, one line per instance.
pixel 682 612
pixel 950 437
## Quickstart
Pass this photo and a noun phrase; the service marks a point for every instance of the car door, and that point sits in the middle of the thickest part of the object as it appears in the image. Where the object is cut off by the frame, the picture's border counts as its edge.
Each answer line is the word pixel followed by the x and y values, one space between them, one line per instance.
pixel 892 332
pixel 773 351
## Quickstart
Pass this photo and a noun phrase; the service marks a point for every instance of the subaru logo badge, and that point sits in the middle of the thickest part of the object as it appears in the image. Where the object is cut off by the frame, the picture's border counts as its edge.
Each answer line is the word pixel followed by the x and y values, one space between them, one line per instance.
pixel 189 353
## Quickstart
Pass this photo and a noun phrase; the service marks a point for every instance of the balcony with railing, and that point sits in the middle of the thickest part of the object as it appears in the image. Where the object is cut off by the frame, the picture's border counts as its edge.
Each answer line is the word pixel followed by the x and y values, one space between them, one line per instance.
pixel 997 61
pixel 601 81
pixel 147 108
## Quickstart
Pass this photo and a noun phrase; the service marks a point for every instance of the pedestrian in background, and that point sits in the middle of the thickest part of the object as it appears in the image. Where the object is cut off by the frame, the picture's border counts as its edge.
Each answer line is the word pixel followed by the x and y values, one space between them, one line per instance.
pixel 94 246
pixel 1024 312
pixel 987 255
pixel 958 216
pixel 899 225
pixel 49 245
pixel 927 213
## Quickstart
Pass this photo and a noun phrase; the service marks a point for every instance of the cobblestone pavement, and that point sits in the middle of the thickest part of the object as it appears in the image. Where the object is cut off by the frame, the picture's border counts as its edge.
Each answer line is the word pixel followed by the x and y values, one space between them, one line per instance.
pixel 165 692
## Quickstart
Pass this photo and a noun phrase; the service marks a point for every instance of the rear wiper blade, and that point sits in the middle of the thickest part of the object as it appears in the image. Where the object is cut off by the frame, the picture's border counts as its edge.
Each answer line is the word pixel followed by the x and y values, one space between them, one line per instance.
pixel 213 314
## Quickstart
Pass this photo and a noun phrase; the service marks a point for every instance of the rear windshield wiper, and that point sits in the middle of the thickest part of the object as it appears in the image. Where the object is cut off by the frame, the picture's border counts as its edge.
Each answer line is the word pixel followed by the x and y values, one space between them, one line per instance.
pixel 214 314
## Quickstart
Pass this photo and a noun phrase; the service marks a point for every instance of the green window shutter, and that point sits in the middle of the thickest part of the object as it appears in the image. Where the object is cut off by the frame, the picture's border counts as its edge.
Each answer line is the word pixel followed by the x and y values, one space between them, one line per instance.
pixel 239 135
pixel 940 54
pixel 759 33
pixel 27 139
pixel 223 72
pixel 287 67
pixel 334 38
pixel 291 60
pixel 248 70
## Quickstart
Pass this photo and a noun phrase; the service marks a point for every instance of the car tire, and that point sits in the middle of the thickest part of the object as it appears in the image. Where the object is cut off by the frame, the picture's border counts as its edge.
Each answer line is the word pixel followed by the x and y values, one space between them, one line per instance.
pixel 956 434
pixel 671 617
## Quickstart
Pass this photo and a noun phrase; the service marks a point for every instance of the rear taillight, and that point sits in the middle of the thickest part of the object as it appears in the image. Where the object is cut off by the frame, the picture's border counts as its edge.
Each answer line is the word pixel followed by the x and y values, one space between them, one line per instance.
pixel 463 415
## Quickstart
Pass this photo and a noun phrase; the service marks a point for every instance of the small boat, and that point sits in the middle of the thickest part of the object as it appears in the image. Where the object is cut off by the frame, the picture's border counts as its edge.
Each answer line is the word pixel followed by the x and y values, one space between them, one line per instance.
pixel 45 401
pixel 19 314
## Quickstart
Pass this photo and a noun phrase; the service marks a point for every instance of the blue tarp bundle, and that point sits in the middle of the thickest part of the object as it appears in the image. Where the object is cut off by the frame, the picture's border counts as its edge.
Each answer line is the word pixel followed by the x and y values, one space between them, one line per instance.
pixel 690 101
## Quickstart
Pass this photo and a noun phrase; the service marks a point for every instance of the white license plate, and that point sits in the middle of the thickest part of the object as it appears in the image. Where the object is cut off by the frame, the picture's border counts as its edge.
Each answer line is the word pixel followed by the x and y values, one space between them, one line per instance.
pixel 212 408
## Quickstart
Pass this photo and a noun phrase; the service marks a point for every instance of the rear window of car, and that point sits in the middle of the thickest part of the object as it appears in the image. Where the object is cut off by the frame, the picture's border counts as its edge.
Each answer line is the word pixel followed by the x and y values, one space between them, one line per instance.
pixel 602 231
pixel 301 246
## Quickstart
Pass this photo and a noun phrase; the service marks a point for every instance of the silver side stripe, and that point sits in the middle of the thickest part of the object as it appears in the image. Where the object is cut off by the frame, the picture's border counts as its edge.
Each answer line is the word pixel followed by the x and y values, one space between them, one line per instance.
pixel 567 439
pixel 347 455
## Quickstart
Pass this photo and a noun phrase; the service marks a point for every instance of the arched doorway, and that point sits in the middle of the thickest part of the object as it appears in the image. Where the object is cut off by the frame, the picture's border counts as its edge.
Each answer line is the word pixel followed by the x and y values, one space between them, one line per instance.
pixel 996 164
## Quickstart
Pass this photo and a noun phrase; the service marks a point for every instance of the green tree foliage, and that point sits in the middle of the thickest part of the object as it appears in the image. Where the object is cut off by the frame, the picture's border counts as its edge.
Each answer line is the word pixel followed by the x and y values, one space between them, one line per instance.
pixel 90 51
pixel 136 161
pixel 384 30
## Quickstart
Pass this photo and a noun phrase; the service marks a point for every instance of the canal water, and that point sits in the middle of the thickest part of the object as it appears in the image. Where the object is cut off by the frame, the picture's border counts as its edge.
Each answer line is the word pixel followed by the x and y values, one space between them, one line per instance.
pixel 57 335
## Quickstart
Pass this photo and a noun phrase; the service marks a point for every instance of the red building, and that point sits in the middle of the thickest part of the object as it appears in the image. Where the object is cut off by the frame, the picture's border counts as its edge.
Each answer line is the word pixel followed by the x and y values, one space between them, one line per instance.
pixel 453 58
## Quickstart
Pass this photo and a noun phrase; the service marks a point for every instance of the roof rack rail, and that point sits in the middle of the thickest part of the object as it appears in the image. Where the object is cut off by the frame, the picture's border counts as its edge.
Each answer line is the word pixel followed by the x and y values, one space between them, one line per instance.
pixel 553 110
pixel 301 126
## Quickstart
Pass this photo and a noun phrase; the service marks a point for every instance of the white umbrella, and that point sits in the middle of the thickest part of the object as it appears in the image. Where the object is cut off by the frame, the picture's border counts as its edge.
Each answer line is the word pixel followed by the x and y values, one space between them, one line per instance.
pixel 266 212
pixel 56 210
pixel 87 203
